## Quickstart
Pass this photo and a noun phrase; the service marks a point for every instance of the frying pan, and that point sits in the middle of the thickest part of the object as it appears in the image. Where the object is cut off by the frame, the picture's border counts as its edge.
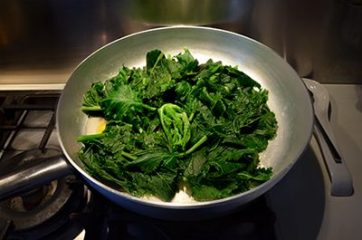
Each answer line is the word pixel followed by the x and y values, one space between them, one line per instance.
pixel 288 99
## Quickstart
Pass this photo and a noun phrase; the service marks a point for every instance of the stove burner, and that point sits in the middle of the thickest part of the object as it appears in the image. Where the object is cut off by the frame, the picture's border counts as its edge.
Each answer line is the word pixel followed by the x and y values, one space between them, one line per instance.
pixel 51 220
pixel 34 208
pixel 45 209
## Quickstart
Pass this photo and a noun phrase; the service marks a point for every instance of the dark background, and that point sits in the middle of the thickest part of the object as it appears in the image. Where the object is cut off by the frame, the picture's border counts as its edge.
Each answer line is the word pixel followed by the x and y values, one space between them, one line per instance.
pixel 321 39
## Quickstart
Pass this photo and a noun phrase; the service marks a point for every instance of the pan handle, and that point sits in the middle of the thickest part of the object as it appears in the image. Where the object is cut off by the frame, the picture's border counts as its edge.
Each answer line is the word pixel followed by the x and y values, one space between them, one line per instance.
pixel 341 180
pixel 23 180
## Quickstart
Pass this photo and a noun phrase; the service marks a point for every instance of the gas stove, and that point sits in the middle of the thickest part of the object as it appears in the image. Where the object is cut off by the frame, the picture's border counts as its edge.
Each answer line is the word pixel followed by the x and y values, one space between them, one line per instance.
pixel 298 207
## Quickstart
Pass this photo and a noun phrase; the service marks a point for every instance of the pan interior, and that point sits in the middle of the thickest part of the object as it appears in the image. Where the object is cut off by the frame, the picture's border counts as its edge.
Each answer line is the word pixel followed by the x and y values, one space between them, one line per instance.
pixel 288 98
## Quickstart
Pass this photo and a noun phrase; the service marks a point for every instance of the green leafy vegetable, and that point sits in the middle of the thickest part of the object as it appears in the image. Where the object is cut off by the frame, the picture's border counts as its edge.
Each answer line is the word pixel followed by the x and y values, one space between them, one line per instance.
pixel 177 122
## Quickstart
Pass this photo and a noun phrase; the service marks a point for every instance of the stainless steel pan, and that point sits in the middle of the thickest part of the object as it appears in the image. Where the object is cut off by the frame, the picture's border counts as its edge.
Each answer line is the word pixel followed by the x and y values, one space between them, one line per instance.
pixel 289 100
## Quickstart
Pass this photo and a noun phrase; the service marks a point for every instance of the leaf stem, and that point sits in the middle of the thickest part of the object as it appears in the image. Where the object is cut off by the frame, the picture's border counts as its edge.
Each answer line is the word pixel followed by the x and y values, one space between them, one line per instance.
pixel 149 107
pixel 159 57
pixel 191 116
pixel 90 108
pixel 89 137
pixel 128 155
pixel 194 147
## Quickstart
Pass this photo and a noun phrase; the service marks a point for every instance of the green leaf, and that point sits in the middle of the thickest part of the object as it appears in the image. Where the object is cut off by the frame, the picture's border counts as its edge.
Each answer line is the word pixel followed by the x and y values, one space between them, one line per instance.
pixel 92 98
pixel 163 185
pixel 153 58
pixel 122 103
pixel 175 124
pixel 150 162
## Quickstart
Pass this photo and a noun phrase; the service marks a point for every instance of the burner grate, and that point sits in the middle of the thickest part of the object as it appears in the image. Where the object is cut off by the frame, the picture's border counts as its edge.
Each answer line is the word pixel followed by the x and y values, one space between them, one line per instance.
pixel 19 112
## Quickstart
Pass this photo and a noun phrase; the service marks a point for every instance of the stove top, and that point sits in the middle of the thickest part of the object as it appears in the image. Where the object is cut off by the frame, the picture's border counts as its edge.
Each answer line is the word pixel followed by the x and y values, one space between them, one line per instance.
pixel 298 207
